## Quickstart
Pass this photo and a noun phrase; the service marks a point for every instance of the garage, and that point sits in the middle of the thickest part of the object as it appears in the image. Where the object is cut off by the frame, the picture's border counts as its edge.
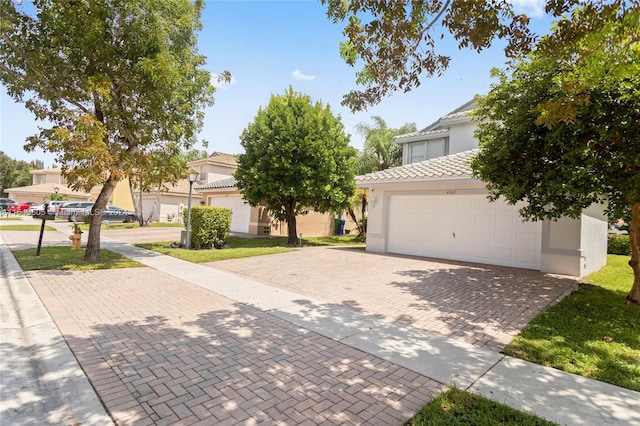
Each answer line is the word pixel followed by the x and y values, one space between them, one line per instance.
pixel 240 211
pixel 462 227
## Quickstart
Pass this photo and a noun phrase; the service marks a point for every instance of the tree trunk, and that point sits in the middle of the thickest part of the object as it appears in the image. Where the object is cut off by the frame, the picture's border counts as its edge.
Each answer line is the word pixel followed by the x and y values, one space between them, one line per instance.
pixel 634 239
pixel 292 230
pixel 95 220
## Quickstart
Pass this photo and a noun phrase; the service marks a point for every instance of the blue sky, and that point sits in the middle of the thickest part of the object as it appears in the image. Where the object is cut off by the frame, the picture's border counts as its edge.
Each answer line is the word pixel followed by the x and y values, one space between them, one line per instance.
pixel 270 45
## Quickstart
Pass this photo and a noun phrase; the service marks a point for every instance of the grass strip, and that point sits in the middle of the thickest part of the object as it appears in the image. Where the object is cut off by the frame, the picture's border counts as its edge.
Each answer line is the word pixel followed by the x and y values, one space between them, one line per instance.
pixel 62 258
pixel 592 332
pixel 459 408
pixel 245 247
pixel 203 256
pixel 4 227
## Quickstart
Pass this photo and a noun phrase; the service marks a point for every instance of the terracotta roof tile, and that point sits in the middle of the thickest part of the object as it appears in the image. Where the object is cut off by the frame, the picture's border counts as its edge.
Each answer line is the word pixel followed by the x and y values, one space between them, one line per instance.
pixel 221 157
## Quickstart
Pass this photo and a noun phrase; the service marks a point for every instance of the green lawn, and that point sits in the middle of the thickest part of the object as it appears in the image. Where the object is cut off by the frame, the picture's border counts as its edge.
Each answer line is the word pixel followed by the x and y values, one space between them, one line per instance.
pixel 10 218
pixel 459 408
pixel 12 227
pixel 121 225
pixel 244 247
pixel 65 259
pixel 592 332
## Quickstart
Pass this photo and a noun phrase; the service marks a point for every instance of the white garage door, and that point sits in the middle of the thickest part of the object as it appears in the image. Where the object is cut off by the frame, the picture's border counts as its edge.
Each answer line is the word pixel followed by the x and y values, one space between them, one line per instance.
pixel 462 227
pixel 240 212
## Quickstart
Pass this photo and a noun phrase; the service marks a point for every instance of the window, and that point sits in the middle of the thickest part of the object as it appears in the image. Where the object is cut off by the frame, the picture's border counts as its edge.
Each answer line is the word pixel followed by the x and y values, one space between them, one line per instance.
pixel 416 152
pixel 437 148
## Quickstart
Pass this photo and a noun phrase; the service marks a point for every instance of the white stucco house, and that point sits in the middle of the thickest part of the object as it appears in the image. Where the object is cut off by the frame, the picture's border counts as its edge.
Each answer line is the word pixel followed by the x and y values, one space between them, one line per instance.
pixel 431 206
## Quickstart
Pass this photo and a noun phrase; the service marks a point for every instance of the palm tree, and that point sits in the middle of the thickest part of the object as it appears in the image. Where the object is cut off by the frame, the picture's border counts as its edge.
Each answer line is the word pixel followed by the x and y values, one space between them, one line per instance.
pixel 379 153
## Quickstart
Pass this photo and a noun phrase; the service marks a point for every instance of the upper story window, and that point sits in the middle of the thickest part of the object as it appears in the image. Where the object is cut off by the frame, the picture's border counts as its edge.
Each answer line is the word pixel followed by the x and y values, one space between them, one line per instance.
pixel 437 148
pixel 416 152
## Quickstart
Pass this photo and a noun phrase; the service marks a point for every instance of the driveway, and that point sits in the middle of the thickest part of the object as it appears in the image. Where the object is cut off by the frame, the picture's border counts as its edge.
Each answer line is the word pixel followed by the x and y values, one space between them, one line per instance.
pixel 481 304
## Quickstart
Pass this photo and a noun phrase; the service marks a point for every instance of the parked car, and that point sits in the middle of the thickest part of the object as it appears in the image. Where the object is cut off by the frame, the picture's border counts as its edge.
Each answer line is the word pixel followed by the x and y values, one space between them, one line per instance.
pixel 111 213
pixel 5 203
pixel 20 207
pixel 72 209
pixel 51 207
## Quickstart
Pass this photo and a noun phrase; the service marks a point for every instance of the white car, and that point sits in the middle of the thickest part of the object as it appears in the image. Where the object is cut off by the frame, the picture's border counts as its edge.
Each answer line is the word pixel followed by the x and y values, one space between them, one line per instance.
pixel 51 206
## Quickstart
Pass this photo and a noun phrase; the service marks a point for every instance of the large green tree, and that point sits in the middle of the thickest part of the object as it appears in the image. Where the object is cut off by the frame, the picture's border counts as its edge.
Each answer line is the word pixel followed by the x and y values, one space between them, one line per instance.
pixel 561 129
pixel 395 43
pixel 121 82
pixel 297 157
pixel 15 173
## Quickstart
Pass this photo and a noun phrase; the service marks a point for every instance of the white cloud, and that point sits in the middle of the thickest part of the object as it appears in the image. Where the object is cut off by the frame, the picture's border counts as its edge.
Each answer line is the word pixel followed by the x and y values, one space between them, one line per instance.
pixel 300 76
pixel 532 8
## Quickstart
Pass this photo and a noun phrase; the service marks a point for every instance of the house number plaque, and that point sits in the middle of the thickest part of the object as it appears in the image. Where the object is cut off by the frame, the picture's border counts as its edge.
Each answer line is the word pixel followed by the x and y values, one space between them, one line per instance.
pixel 451 191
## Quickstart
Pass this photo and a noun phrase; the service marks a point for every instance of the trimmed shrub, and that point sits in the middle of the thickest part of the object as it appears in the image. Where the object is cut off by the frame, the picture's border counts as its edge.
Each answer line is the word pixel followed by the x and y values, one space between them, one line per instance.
pixel 619 244
pixel 209 226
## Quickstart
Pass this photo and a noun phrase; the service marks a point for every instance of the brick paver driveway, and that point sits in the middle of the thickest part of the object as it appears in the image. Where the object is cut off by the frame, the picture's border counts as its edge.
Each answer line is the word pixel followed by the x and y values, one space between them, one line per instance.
pixel 159 351
pixel 481 304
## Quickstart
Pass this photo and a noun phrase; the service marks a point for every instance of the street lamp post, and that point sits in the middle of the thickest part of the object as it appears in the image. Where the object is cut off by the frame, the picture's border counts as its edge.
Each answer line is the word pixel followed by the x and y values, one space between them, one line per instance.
pixel 55 206
pixel 193 176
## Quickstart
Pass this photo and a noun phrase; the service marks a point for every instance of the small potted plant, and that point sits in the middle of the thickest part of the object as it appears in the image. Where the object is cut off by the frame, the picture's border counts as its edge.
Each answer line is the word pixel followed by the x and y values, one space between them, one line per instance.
pixel 76 237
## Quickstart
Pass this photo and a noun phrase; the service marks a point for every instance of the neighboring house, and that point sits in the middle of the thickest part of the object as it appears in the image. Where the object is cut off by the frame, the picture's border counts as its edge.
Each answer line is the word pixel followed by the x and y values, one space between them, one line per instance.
pixel 431 206
pixel 45 181
pixel 218 188
pixel 167 204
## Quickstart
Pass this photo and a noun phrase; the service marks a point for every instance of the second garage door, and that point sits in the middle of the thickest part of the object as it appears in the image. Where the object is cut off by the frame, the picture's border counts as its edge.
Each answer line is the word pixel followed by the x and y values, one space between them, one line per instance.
pixel 462 227
pixel 240 212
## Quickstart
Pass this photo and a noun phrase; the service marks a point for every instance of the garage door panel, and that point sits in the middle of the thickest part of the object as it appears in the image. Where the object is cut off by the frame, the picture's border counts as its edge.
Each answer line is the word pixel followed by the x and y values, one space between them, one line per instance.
pixel 462 227
pixel 240 212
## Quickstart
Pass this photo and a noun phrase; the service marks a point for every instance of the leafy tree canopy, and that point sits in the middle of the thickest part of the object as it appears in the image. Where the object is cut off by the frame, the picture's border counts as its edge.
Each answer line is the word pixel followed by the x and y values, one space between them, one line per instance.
pixel 396 42
pixel 15 173
pixel 561 129
pixel 297 156
pixel 122 83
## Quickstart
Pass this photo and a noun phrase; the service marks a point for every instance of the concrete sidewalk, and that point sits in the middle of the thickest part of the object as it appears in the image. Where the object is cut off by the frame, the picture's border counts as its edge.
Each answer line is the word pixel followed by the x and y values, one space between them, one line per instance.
pixel 552 394
pixel 40 379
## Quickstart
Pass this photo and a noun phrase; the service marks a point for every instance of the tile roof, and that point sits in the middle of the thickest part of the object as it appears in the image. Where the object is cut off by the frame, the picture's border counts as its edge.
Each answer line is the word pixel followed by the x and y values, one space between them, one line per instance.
pixel 416 134
pixel 181 187
pixel 454 165
pixel 219 184
pixel 221 157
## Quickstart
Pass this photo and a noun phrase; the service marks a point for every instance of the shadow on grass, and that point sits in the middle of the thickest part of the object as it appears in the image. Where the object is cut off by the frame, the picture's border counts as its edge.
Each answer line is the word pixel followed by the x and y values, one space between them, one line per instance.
pixel 593 333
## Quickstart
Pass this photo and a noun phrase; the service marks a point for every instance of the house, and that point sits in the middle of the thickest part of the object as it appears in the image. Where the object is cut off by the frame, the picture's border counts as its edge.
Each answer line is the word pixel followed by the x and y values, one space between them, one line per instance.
pixel 166 203
pixel 218 188
pixel 431 206
pixel 44 184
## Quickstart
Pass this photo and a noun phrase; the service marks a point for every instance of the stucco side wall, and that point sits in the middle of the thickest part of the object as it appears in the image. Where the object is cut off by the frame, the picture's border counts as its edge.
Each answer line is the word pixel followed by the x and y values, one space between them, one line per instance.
pixel 593 239
pixel 121 196
pixel 575 247
pixel 461 137
pixel 313 224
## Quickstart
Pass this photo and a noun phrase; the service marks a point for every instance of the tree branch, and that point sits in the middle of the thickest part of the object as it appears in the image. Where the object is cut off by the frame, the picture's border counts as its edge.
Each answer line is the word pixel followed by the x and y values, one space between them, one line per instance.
pixel 42 78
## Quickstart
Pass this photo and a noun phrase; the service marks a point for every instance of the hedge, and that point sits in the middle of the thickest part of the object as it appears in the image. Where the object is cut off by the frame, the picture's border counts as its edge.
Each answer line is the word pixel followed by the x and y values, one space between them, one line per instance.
pixel 209 226
pixel 619 244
